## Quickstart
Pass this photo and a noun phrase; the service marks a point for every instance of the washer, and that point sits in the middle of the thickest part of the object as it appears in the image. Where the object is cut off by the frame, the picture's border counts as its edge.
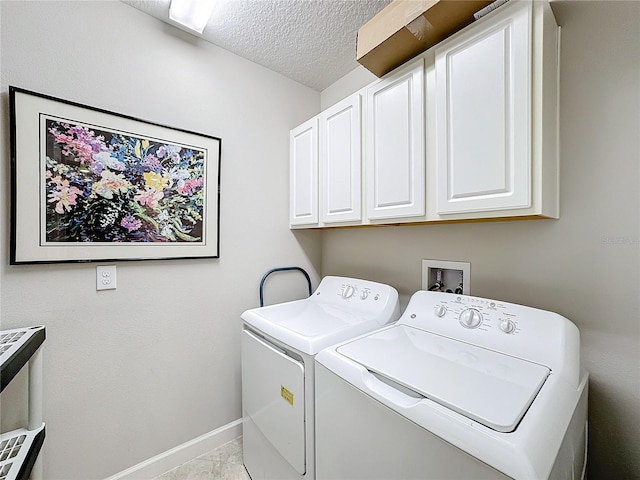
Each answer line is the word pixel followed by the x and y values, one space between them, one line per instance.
pixel 459 388
pixel 279 343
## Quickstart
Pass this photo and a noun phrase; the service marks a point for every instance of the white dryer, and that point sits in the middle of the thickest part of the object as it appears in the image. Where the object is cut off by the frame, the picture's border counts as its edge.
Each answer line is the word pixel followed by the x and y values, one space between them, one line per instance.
pixel 459 388
pixel 279 343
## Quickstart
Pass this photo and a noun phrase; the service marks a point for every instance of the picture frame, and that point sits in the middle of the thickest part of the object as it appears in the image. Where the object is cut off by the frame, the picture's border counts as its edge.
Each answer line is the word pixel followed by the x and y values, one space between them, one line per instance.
pixel 90 185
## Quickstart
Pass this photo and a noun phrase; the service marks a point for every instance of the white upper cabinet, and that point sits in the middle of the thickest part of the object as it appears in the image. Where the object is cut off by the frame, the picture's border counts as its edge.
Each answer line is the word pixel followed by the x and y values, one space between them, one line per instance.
pixel 340 162
pixel 394 145
pixel 303 157
pixel 489 94
pixel 466 131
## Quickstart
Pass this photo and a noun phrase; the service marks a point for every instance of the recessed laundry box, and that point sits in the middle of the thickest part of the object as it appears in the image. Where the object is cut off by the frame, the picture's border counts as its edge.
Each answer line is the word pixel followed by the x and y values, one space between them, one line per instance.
pixel 459 388
pixel 279 343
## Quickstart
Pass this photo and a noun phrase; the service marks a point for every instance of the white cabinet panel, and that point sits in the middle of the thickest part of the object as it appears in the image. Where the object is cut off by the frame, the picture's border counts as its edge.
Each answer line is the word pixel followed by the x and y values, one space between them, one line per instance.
pixel 395 183
pixel 304 174
pixel 483 115
pixel 467 131
pixel 340 162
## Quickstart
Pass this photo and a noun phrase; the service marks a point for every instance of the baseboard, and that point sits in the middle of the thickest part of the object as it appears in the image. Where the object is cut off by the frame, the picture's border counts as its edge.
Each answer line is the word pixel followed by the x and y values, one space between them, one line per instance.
pixel 176 456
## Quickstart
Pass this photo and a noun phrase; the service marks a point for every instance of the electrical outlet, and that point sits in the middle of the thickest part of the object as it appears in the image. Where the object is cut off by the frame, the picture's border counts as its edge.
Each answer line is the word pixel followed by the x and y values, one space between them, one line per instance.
pixel 106 277
pixel 448 275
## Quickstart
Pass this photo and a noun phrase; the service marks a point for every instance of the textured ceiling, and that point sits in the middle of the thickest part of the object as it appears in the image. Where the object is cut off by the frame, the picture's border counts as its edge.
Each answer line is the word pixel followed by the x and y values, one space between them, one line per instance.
pixel 310 41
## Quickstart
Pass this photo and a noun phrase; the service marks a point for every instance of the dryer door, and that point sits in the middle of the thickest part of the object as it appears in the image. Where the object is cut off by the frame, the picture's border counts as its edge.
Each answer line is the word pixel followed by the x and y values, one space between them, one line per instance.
pixel 273 396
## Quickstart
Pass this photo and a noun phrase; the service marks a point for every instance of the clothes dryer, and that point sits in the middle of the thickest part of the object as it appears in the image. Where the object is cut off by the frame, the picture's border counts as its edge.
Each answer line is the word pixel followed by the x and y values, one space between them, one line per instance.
pixel 460 387
pixel 279 343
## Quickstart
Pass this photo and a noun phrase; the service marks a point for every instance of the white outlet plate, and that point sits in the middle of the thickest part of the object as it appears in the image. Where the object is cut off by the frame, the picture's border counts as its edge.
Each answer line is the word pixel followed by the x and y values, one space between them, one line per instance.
pixel 451 272
pixel 106 277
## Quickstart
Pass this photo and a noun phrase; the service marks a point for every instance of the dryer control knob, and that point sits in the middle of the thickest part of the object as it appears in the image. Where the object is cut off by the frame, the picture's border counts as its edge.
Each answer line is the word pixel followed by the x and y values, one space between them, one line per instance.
pixel 440 310
pixel 507 326
pixel 470 318
pixel 364 294
pixel 348 291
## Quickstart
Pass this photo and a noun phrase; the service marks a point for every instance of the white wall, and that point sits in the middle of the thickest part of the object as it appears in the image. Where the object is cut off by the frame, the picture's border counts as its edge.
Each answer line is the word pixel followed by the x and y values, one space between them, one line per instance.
pixel 586 265
pixel 134 372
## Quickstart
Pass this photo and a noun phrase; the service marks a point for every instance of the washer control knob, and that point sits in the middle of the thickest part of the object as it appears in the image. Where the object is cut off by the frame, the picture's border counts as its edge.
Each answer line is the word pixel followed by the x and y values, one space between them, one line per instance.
pixel 470 318
pixel 507 326
pixel 348 291
pixel 440 310
pixel 364 294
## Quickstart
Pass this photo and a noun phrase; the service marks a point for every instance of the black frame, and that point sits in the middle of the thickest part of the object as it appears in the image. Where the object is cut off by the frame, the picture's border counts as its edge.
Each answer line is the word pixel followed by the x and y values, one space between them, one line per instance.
pixel 27 110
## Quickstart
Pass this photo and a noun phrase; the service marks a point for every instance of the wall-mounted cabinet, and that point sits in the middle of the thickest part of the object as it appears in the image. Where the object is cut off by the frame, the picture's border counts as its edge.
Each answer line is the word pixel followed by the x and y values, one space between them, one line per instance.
pixel 394 153
pixel 467 131
pixel 303 156
pixel 496 101
pixel 340 162
pixel 483 160
pixel 330 184
pixel 325 165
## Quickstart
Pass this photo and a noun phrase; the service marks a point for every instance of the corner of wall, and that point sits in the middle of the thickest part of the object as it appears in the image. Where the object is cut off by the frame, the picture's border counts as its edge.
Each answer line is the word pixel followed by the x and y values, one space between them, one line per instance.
pixel 345 86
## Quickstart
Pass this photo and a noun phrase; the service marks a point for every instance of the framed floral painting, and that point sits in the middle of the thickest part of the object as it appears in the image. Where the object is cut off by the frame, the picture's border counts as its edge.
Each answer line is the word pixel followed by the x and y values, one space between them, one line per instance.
pixel 91 185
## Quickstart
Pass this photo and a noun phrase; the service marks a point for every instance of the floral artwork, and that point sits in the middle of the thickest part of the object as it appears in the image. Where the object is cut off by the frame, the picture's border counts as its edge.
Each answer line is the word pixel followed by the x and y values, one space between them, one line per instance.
pixel 108 186
pixel 89 185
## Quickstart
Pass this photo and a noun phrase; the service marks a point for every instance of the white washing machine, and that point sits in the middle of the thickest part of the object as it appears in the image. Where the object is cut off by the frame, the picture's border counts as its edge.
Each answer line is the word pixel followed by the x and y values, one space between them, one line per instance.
pixel 279 343
pixel 459 388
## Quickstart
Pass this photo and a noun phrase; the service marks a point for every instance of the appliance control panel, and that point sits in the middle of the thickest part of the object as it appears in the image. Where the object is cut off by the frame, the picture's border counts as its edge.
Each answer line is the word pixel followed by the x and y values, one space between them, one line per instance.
pixel 357 295
pixel 505 327
pixel 350 291
pixel 479 313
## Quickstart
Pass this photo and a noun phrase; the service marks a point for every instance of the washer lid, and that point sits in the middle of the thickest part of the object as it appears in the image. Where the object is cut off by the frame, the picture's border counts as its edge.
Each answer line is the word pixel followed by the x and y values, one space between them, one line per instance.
pixel 491 388
pixel 310 326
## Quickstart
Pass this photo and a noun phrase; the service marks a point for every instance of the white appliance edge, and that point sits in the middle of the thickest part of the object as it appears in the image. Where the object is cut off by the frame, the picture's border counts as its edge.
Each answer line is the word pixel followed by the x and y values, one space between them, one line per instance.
pixel 521 454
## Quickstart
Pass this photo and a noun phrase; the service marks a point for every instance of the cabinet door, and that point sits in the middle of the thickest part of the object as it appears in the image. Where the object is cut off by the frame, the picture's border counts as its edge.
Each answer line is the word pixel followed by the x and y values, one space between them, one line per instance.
pixel 483 115
pixel 303 195
pixel 340 160
pixel 395 180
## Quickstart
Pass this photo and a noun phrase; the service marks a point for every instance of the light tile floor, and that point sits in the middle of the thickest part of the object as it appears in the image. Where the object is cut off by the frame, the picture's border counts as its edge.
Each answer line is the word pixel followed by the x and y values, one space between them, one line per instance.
pixel 223 463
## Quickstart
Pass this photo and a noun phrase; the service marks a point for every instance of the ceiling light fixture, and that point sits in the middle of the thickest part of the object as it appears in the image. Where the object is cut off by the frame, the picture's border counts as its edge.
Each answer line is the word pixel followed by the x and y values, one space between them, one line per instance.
pixel 192 14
